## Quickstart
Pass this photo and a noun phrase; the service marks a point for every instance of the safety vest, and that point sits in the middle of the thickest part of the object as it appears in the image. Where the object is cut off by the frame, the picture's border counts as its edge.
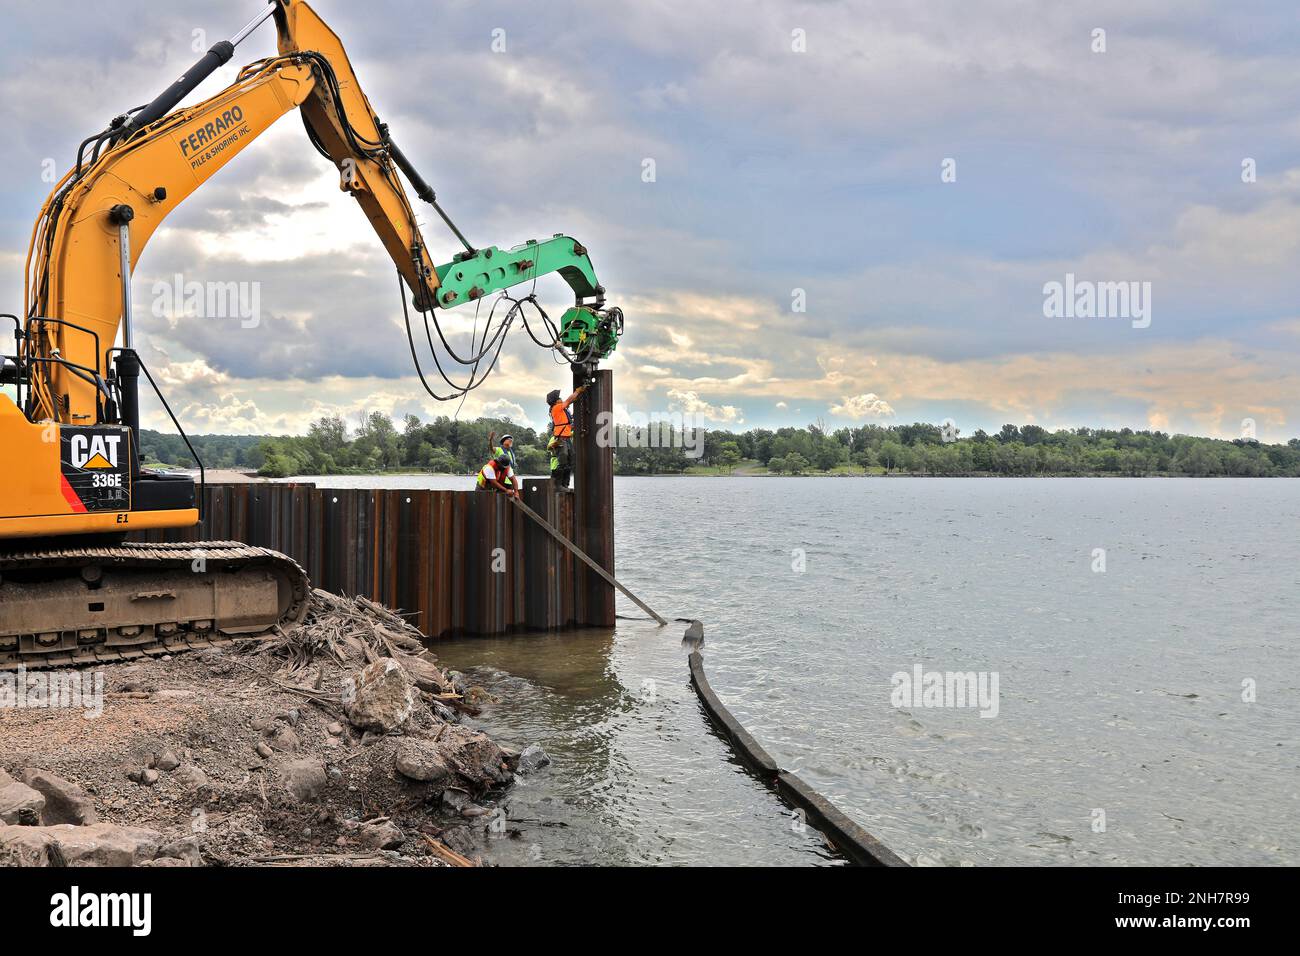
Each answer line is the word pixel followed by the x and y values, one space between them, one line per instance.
pixel 561 421
pixel 514 464
pixel 482 477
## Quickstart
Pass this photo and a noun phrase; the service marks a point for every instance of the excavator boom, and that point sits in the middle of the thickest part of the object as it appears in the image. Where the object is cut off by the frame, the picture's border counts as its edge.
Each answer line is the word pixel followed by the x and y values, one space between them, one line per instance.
pixel 71 484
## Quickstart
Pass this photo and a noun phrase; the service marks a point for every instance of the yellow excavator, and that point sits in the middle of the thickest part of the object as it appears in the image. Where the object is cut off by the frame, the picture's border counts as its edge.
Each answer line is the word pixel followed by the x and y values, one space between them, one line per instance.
pixel 72 590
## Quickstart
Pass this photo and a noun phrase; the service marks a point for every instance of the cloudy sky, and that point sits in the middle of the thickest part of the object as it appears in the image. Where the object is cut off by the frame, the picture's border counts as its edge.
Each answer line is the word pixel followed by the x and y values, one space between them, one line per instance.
pixel 854 211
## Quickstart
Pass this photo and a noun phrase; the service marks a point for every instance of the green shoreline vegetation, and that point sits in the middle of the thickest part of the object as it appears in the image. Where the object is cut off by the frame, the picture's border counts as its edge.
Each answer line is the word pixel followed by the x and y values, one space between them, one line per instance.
pixel 379 446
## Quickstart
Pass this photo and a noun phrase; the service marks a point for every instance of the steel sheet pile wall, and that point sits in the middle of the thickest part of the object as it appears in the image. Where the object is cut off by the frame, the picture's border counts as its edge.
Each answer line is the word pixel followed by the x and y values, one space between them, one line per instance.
pixel 461 562
pixel 593 478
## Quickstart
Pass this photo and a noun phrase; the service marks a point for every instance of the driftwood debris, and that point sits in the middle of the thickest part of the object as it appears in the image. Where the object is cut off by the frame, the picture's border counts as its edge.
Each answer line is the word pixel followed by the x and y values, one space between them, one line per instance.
pixel 353 632
pixel 447 854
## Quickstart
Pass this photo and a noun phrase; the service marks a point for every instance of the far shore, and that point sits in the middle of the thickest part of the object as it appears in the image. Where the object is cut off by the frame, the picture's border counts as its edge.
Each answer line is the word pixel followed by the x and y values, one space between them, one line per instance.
pixel 227 476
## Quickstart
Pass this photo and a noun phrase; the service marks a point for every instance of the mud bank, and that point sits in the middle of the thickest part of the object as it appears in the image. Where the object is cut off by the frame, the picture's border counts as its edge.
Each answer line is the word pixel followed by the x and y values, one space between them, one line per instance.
pixel 340 745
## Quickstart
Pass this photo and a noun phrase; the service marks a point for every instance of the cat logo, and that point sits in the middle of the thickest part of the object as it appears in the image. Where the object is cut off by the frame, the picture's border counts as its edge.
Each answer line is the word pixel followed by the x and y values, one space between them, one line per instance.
pixel 95 451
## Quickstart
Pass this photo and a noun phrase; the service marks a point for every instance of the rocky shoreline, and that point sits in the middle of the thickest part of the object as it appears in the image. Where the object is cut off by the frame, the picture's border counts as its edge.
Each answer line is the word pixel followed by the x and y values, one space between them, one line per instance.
pixel 342 744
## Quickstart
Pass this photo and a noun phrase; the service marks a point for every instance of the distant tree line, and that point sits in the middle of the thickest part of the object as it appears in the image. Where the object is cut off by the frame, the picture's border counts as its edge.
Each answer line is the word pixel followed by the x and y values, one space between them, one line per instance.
pixel 461 447
pixel 216 451
pixel 375 445
pixel 922 448
pixel 925 449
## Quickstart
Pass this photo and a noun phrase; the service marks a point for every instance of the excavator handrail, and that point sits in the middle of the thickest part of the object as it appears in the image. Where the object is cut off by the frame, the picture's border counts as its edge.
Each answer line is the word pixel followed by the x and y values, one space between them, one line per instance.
pixel 203 473
pixel 31 319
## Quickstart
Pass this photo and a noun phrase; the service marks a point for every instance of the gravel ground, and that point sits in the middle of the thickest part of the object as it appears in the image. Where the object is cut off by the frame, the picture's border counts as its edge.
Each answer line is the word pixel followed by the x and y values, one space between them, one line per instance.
pixel 210 744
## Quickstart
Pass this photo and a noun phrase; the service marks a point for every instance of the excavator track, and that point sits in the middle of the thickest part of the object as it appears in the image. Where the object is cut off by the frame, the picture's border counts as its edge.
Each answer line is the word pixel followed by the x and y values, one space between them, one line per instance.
pixel 68 606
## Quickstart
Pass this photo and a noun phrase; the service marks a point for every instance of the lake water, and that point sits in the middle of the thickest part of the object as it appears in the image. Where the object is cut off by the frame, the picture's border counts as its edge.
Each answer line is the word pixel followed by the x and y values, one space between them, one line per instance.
pixel 1148 706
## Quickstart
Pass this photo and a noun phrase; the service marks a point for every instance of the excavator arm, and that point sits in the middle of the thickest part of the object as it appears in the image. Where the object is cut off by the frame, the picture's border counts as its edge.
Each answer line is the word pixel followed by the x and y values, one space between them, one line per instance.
pixel 71 371
pixel 71 486
pixel 103 214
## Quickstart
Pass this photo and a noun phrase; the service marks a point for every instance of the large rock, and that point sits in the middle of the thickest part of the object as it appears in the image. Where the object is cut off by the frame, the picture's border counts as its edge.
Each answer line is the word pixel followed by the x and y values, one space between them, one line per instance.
pixel 167 761
pixel 27 846
pixel 19 803
pixel 104 844
pixel 427 675
pixel 282 739
pixel 532 759
pixel 191 778
pixel 381 697
pixel 380 836
pixel 474 756
pixel 183 852
pixel 422 760
pixel 65 802
pixel 304 779
pixel 99 844
pixel 461 839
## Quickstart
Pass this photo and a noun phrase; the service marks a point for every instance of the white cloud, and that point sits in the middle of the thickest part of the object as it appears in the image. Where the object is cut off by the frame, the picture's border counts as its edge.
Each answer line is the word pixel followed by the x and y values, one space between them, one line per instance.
pixel 869 405
pixel 195 373
pixel 689 403
pixel 942 316
pixel 504 408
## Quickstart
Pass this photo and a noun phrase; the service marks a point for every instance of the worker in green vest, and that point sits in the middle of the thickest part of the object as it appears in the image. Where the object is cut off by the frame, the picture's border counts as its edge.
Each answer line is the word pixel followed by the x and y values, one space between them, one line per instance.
pixel 506 448
pixel 553 449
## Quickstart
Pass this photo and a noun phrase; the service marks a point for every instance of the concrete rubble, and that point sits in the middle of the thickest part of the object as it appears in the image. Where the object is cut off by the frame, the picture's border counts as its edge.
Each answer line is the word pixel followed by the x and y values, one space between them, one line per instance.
pixel 532 759
pixel 341 744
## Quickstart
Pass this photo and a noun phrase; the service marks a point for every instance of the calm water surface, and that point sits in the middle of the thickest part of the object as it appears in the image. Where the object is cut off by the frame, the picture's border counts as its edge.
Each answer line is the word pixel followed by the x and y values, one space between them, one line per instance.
pixel 1121 735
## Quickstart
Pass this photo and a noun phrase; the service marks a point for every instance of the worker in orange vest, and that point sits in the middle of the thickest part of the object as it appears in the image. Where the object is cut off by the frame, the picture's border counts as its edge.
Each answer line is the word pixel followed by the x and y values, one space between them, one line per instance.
pixel 561 443
pixel 496 475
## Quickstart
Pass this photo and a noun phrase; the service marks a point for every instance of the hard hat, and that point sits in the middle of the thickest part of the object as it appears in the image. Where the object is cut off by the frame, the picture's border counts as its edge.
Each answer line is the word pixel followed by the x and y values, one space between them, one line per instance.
pixel 553 396
pixel 506 438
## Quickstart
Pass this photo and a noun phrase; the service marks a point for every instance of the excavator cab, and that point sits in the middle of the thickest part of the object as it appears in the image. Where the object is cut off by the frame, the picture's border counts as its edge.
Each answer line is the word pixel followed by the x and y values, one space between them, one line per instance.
pixel 70 480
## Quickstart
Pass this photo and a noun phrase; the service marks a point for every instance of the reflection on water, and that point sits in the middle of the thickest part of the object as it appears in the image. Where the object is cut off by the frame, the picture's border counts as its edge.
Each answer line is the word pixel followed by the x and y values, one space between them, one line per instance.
pixel 1122 735
pixel 637 775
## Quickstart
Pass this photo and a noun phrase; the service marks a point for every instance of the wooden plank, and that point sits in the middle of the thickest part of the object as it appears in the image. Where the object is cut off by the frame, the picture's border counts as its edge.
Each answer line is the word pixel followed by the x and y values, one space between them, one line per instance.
pixel 587 560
